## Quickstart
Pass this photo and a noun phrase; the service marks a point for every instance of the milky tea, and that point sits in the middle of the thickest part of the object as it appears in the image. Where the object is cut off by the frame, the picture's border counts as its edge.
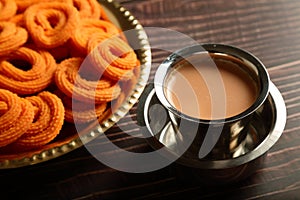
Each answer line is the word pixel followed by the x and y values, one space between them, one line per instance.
pixel 212 86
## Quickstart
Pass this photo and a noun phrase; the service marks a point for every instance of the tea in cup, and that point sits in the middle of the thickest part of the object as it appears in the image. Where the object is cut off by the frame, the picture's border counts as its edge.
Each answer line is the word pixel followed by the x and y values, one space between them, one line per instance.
pixel 211 92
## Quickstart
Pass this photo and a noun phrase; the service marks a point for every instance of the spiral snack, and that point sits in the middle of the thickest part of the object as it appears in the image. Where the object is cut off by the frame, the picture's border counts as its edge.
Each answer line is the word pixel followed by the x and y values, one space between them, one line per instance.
pixel 51 24
pixel 22 5
pixel 67 46
pixel 128 85
pixel 48 121
pixel 87 28
pixel 112 56
pixel 84 115
pixel 18 20
pixel 11 37
pixel 70 81
pixel 17 117
pixel 88 8
pixel 8 8
pixel 24 82
pixel 80 112
pixel 3 107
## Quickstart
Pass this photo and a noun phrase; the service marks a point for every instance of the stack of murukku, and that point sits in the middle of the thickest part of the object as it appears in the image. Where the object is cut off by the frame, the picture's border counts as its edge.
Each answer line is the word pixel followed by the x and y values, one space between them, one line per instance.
pixel 61 61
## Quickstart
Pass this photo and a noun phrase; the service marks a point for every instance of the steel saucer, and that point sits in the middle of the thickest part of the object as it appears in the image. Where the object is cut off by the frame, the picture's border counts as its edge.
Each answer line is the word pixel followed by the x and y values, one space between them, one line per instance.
pixel 266 128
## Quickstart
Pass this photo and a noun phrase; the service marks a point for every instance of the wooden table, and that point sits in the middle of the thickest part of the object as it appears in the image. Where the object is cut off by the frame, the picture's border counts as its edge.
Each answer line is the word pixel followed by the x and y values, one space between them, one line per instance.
pixel 268 29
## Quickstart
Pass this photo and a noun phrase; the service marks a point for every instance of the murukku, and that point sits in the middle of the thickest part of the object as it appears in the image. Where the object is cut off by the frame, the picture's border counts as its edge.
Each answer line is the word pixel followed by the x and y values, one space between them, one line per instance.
pixel 11 37
pixel 18 20
pixel 39 40
pixel 51 24
pixel 80 112
pixel 128 85
pixel 16 119
pixel 88 8
pixel 30 79
pixel 3 107
pixel 48 121
pixel 70 79
pixel 112 56
pixel 87 28
pixel 22 5
pixel 8 8
pixel 84 116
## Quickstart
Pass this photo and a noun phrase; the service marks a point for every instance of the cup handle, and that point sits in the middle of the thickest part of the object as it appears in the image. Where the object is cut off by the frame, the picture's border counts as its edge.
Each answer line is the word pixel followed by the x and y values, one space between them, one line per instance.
pixel 156 110
pixel 141 104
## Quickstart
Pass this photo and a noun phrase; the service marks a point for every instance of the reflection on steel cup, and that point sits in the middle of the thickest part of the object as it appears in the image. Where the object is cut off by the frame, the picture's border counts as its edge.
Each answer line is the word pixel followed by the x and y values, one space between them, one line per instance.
pixel 126 161
pixel 237 85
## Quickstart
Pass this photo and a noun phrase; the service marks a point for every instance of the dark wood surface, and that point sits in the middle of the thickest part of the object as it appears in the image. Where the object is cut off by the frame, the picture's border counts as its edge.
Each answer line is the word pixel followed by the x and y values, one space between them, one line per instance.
pixel 270 29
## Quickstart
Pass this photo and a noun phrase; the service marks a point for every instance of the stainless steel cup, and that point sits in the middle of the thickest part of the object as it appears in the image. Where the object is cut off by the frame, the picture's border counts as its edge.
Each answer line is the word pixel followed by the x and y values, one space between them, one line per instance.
pixel 215 138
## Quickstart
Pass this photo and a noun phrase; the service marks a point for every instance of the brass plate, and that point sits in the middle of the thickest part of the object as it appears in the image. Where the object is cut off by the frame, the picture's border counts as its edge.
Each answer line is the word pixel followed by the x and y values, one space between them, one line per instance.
pixel 70 140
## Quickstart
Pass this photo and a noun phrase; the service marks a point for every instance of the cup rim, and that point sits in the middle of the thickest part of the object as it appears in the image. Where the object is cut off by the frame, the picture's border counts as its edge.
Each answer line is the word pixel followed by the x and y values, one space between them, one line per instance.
pixel 164 68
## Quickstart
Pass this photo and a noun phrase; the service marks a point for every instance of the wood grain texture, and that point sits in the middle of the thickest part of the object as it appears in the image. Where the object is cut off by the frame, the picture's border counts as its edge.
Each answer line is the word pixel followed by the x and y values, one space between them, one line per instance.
pixel 268 29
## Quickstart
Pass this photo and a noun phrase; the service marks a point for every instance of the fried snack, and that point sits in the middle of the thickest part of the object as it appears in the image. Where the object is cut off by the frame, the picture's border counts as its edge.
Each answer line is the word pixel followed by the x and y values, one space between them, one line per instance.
pixel 45 46
pixel 87 28
pixel 85 115
pixel 8 8
pixel 80 112
pixel 22 5
pixel 48 121
pixel 128 85
pixel 3 107
pixel 27 81
pixel 51 24
pixel 11 37
pixel 88 8
pixel 71 80
pixel 16 119
pixel 112 56
pixel 18 20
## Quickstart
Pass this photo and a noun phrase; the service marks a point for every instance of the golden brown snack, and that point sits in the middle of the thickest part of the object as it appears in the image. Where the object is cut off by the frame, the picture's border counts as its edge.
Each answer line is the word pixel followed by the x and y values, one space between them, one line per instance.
pixel 11 37
pixel 80 112
pixel 87 28
pixel 27 81
pixel 18 20
pixel 8 8
pixel 128 85
pixel 48 121
pixel 88 8
pixel 42 48
pixel 24 4
pixel 16 119
pixel 51 24
pixel 3 107
pixel 69 79
pixel 112 56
